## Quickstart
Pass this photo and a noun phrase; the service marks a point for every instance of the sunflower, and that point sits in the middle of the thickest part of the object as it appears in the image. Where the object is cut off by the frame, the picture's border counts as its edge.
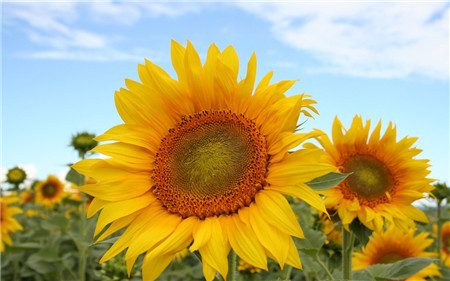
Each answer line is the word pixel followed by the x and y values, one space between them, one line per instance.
pixel 385 178
pixel 445 250
pixel 26 196
pixel 393 245
pixel 8 223
pixel 203 159
pixel 49 192
pixel 16 176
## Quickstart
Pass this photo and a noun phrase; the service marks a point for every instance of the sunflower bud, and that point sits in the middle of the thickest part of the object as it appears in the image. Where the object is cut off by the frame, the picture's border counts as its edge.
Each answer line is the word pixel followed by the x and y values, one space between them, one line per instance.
pixel 16 176
pixel 83 142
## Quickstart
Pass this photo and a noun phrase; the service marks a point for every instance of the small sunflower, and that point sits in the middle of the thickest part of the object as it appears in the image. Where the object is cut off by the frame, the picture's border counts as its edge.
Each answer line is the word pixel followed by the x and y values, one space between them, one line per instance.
pixel 393 245
pixel 83 142
pixel 385 178
pixel 26 196
pixel 16 176
pixel 9 224
pixel 49 192
pixel 247 268
pixel 204 159
pixel 445 250
pixel 330 229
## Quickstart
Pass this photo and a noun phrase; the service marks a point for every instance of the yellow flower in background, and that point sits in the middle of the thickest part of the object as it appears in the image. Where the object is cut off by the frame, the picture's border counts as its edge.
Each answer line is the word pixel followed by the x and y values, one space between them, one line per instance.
pixel 49 192
pixel 30 213
pixel 445 249
pixel 244 266
pixel 385 178
pixel 205 159
pixel 330 229
pixel 26 196
pixel 9 224
pixel 394 245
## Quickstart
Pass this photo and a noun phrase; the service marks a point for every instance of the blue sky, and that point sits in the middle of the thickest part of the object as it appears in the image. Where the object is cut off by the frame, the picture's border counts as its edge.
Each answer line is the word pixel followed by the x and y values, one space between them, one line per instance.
pixel 62 62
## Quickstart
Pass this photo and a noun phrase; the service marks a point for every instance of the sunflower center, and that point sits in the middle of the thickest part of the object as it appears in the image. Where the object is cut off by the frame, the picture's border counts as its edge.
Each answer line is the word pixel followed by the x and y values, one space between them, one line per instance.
pixel 210 163
pixel 390 258
pixel 48 190
pixel 446 241
pixel 370 178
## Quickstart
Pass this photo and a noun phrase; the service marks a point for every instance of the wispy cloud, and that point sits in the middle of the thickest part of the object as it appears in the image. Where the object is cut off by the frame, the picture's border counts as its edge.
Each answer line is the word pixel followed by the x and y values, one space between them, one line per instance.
pixel 51 26
pixel 365 39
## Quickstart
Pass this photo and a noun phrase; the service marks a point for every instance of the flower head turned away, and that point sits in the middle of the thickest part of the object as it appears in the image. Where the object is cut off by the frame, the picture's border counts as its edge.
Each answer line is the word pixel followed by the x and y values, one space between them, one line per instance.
pixel 49 192
pixel 83 143
pixel 385 178
pixel 8 223
pixel 394 245
pixel 16 176
pixel 202 162
pixel 445 250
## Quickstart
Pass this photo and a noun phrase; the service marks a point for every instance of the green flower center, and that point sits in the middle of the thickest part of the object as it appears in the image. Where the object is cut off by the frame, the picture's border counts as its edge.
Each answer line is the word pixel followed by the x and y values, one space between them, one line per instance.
pixel 391 258
pixel 49 190
pixel 16 176
pixel 370 178
pixel 210 163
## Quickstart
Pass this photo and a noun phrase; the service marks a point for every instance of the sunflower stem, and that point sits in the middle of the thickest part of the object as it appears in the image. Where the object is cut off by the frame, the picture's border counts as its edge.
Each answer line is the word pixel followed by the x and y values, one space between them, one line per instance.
pixel 82 245
pixel 232 261
pixel 439 226
pixel 322 265
pixel 347 251
pixel 287 272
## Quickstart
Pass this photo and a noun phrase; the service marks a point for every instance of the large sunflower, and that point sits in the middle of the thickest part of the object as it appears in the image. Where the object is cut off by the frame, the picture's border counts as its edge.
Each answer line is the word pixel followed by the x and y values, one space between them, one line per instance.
pixel 385 178
pixel 8 223
pixel 393 245
pixel 445 249
pixel 205 160
pixel 49 192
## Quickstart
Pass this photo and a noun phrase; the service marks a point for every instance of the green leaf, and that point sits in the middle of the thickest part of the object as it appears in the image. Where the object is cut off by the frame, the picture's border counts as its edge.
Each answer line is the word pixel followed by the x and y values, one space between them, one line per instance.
pixel 75 177
pixel 399 270
pixel 327 181
pixel 55 222
pixel 25 246
pixel 107 241
pixel 361 231
pixel 312 243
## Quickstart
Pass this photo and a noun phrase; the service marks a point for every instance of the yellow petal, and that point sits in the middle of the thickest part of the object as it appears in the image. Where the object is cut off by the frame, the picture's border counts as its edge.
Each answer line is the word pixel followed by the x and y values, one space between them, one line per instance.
pixel 177 52
pixel 118 190
pixel 208 272
pixel 149 237
pixel 414 213
pixel 127 153
pixel 125 239
pixel 215 251
pixel 275 241
pixel 277 211
pixel 293 256
pixel 302 192
pixel 202 233
pixel 126 207
pixel 244 241
pixel 117 225
pixel 154 266
pixel 96 205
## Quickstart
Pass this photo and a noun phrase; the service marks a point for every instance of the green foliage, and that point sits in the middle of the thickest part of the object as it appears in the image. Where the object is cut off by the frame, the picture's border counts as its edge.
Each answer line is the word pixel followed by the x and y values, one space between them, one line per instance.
pixel 361 232
pixel 327 181
pixel 399 270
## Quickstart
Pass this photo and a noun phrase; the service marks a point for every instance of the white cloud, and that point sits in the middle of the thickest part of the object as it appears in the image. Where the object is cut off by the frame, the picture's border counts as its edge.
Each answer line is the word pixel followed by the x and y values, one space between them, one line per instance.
pixel 365 39
pixel 51 25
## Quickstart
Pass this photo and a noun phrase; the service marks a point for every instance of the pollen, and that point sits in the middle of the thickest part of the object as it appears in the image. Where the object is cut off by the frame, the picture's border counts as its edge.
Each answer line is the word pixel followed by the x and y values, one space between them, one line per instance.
pixel 370 181
pixel 210 163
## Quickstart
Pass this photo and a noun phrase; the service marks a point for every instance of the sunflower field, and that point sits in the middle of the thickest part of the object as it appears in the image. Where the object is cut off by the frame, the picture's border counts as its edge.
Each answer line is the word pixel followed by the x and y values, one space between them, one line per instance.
pixel 212 177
